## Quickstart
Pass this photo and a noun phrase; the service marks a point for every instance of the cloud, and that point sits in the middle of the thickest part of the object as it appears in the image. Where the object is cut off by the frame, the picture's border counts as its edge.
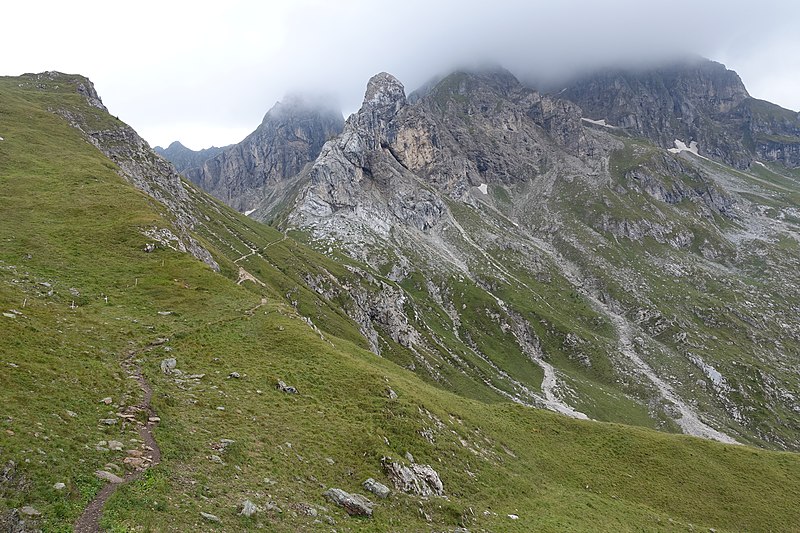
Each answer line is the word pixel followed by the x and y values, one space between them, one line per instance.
pixel 206 72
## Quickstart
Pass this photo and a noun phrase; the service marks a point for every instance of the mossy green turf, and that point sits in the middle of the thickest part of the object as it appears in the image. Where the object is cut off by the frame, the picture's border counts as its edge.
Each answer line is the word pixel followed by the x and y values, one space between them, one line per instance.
pixel 69 221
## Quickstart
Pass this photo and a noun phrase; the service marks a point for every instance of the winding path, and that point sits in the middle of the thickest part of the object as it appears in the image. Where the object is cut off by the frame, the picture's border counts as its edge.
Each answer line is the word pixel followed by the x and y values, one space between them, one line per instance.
pixel 89 522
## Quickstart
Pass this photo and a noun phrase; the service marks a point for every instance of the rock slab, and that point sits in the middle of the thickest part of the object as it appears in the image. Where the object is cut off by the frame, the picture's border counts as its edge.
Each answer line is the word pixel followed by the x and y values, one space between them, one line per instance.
pixel 354 504
pixel 108 476
pixel 377 488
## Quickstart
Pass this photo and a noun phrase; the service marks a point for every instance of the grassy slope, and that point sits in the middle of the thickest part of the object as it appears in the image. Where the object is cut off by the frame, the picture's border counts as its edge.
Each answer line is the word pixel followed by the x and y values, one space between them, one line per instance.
pixel 710 308
pixel 69 221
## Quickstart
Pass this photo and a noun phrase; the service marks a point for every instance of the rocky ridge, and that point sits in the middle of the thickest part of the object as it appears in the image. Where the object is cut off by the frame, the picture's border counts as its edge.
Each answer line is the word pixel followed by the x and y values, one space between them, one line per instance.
pixel 695 100
pixel 183 158
pixel 290 136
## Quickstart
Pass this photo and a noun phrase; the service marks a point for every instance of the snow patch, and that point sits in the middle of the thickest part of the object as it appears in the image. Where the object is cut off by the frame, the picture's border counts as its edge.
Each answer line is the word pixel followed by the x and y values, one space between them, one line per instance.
pixel 756 162
pixel 680 146
pixel 483 188
pixel 601 122
pixel 249 212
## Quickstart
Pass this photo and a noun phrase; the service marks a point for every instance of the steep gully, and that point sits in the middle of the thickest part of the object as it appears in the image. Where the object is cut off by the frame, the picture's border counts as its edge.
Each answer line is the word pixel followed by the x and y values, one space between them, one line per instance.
pixel 689 420
pixel 550 382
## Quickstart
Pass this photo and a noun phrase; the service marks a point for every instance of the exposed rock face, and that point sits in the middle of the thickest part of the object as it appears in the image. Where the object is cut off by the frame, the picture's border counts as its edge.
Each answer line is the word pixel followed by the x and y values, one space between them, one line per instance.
pixel 649 180
pixel 417 479
pixel 775 132
pixel 394 156
pixel 489 128
pixel 383 309
pixel 183 158
pixel 290 136
pixel 341 180
pixel 692 100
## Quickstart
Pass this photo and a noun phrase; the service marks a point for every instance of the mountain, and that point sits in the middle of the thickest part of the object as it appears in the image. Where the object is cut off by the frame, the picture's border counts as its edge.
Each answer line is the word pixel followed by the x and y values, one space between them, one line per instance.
pixel 290 136
pixel 227 373
pixel 183 158
pixel 696 100
pixel 563 263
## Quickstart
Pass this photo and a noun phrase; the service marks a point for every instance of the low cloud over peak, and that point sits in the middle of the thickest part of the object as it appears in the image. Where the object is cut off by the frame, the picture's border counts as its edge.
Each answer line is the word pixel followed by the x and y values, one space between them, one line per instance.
pixel 206 72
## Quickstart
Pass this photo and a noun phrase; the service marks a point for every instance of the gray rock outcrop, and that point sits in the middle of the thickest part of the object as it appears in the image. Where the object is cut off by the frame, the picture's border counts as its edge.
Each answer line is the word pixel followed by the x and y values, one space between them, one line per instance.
pixel 169 365
pixel 418 479
pixel 108 476
pixel 283 387
pixel 210 517
pixel 377 488
pixel 354 504
pixel 248 508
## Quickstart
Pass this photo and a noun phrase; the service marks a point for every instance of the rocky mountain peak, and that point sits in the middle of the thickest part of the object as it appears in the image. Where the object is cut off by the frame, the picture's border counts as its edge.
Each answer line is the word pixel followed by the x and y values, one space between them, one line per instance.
pixel 496 81
pixel 384 92
pixel 688 100
pixel 296 105
pixel 373 123
pixel 290 136
pixel 183 158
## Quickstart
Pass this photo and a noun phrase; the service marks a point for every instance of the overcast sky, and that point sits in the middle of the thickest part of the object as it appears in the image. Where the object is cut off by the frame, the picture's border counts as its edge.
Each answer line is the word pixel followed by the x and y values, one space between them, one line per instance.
pixel 205 72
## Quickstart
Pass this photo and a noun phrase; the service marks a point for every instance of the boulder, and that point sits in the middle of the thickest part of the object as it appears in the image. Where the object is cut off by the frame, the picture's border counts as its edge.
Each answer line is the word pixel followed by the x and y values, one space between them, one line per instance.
pixel 375 487
pixel 283 387
pixel 354 504
pixel 248 508
pixel 108 476
pixel 168 365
